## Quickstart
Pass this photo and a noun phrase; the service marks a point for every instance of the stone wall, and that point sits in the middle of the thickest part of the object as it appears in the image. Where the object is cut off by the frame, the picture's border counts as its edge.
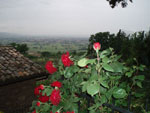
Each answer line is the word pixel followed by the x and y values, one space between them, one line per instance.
pixel 16 95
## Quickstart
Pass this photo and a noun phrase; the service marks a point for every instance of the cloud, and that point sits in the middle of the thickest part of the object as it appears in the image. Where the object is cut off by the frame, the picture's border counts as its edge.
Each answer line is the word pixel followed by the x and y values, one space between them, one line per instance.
pixel 71 16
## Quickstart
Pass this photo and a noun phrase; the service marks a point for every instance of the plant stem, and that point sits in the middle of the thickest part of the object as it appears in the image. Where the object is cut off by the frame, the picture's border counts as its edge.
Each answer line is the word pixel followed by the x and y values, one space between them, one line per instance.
pixel 98 59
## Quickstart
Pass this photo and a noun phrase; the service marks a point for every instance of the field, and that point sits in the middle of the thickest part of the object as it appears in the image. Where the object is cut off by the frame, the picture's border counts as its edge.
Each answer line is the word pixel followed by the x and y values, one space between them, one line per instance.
pixel 57 45
pixel 45 43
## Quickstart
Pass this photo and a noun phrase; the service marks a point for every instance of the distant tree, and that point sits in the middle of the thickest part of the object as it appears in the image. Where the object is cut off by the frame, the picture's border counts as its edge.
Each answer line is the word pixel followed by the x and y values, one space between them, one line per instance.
pixel 129 46
pixel 14 45
pixel 147 48
pixel 45 54
pixel 59 53
pixel 22 48
pixel 74 52
pixel 102 37
pixel 114 3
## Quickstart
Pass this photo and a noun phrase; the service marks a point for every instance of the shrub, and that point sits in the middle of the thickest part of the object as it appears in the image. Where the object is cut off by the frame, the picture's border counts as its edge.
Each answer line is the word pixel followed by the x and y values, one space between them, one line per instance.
pixel 101 79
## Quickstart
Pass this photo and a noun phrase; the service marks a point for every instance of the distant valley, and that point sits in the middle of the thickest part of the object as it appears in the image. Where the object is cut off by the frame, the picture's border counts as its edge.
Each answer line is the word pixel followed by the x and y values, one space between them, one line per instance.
pixel 46 43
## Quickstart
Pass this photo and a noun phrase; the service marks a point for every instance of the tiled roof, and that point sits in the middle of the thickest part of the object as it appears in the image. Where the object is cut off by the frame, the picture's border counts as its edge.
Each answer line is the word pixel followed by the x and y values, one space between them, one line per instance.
pixel 14 65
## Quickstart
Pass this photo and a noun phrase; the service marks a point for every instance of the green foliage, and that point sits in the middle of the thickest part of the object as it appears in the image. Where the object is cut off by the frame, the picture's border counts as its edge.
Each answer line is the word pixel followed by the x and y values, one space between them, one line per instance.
pixel 105 78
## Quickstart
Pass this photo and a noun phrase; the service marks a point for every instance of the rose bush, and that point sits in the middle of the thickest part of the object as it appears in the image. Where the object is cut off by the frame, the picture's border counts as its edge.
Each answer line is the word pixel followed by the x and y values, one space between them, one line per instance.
pixel 100 79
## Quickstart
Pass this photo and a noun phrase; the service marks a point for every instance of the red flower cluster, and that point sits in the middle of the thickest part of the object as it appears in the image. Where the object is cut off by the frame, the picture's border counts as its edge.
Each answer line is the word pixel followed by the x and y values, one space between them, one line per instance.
pixel 56 84
pixel 55 97
pixel 97 46
pixel 44 98
pixel 50 68
pixel 66 60
pixel 38 88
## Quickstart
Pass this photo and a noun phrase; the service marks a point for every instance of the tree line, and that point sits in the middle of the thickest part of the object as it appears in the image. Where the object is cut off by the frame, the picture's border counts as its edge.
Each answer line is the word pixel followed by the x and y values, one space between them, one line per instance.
pixel 136 45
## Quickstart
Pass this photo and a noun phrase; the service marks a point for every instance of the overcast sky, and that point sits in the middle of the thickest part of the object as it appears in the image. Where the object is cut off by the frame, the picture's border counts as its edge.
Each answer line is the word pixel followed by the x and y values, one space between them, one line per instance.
pixel 72 17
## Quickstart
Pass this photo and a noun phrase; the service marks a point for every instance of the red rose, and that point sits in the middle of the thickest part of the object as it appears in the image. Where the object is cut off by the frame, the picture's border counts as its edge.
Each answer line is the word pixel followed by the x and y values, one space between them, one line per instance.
pixel 56 84
pixel 34 111
pixel 41 87
pixel 66 60
pixel 38 103
pixel 55 97
pixel 97 46
pixel 36 90
pixel 50 68
pixel 44 98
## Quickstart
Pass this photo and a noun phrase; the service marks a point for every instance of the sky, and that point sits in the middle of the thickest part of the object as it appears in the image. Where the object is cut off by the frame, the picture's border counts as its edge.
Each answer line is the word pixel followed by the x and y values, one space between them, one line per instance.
pixel 72 17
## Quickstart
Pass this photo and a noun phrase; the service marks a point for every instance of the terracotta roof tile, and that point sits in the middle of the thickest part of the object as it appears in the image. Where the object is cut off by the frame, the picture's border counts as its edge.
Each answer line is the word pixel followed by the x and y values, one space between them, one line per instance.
pixel 14 65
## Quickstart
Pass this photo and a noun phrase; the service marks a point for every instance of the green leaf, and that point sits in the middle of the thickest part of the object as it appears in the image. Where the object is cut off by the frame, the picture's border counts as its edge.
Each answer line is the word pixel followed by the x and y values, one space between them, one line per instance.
pixel 139 94
pixel 123 85
pixel 105 60
pixel 103 90
pixel 93 89
pixel 83 62
pixel 94 76
pixel 139 84
pixel 68 72
pixel 45 107
pixel 140 77
pixel 87 70
pixel 84 87
pixel 103 99
pixel 104 83
pixel 92 107
pixel 117 67
pixel 67 104
pixel 75 99
pixel 92 111
pixel 107 67
pixel 109 93
pixel 119 93
pixel 105 53
pixel 117 57
pixel 75 68
pixel 91 61
pixel 47 91
pixel 129 74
